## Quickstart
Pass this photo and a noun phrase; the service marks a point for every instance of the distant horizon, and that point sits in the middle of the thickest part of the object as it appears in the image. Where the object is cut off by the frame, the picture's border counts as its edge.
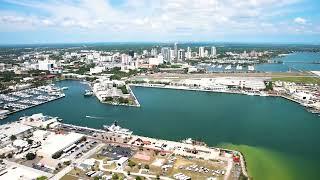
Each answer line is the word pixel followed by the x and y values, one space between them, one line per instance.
pixel 161 42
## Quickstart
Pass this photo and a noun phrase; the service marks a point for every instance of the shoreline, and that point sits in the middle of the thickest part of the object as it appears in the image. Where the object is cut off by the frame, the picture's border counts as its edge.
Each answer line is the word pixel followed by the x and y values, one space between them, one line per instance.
pixel 210 149
pixel 226 92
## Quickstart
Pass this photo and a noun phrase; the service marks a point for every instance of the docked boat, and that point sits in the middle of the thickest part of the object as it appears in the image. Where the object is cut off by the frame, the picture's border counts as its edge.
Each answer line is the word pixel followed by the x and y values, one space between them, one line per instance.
pixel 88 93
pixel 3 117
pixel 64 88
pixel 228 67
pixel 250 68
pixel 117 129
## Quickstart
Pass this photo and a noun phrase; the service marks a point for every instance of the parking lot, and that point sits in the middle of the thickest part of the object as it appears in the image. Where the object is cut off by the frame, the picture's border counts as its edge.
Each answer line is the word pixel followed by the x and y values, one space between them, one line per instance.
pixel 78 150
pixel 116 152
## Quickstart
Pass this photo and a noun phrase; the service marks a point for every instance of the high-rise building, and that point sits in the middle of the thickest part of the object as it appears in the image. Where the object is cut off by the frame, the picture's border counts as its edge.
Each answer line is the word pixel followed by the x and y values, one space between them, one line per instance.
pixel 165 51
pixel 206 53
pixel 154 52
pixel 176 51
pixel 171 55
pixel 201 52
pixel 131 53
pixel 145 52
pixel 189 53
pixel 213 51
pixel 181 55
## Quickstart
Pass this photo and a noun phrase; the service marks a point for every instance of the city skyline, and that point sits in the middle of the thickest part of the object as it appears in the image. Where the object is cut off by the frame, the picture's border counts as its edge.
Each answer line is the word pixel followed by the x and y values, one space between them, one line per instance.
pixel 265 21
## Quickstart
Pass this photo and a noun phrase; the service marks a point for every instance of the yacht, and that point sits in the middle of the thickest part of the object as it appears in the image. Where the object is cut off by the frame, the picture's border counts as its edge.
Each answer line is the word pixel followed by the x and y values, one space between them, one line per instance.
pixel 228 67
pixel 88 93
pixel 239 67
pixel 64 88
pixel 250 68
pixel 117 129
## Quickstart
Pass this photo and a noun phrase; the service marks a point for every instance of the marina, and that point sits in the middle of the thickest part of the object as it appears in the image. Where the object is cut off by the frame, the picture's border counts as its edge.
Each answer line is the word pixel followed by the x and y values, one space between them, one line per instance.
pixel 24 99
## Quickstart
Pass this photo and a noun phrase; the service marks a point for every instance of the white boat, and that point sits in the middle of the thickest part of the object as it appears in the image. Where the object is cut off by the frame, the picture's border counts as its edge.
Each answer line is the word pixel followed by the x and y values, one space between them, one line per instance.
pixel 219 66
pixel 250 68
pixel 117 129
pixel 88 93
pixel 263 94
pixel 239 67
pixel 228 67
pixel 64 88
pixel 250 93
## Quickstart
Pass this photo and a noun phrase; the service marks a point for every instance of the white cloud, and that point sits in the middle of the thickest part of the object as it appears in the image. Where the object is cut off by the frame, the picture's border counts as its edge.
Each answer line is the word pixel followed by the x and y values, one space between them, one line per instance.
pixel 300 20
pixel 146 18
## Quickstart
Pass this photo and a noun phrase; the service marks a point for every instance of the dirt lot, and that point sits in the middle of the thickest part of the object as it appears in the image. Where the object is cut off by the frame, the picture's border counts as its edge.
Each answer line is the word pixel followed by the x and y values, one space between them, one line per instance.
pixel 181 163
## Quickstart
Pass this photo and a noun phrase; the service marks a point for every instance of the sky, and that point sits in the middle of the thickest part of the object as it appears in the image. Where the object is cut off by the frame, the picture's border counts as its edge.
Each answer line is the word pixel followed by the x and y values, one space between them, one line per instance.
pixel 77 21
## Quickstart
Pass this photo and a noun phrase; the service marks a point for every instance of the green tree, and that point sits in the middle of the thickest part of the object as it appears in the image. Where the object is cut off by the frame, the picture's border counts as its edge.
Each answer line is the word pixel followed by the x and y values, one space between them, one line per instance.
pixel 109 99
pixel 9 155
pixel 57 155
pixel 269 86
pixel 30 141
pixel 131 163
pixel 42 178
pixel 31 156
pixel 115 176
pixel 13 137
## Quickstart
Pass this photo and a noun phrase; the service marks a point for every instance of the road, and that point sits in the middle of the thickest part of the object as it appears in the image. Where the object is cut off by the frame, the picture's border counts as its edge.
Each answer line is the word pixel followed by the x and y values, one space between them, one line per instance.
pixel 67 169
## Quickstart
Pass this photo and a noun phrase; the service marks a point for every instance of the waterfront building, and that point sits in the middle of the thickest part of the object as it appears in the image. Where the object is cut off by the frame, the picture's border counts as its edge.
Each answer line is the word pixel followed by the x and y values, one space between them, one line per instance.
pixel 201 52
pixel 58 142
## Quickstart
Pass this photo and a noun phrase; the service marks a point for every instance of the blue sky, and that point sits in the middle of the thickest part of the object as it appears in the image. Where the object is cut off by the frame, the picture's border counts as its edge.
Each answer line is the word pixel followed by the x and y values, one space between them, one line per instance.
pixel 70 21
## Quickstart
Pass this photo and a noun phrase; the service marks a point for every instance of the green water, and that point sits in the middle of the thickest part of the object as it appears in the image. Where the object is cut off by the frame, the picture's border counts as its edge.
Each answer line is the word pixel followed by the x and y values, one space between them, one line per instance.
pixel 279 138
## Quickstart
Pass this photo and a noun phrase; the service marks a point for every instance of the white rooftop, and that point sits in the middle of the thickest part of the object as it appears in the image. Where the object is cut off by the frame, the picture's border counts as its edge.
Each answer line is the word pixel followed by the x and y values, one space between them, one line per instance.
pixel 13 129
pixel 58 142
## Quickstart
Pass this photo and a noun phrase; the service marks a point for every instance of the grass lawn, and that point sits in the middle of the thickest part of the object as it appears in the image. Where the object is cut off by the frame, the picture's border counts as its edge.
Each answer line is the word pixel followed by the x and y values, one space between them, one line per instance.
pixel 306 80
